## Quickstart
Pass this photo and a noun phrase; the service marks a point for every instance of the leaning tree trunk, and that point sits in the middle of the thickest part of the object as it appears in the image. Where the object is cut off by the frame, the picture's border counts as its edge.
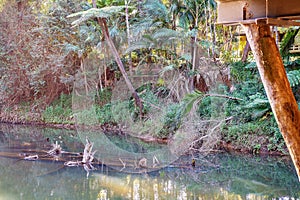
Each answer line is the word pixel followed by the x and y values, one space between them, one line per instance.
pixel 104 28
pixel 279 92
pixel 246 51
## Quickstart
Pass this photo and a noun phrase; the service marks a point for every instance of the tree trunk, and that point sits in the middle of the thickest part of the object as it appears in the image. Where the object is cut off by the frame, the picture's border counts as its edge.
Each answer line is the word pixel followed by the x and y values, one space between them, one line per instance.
pixel 246 51
pixel 276 84
pixel 128 35
pixel 115 53
pixel 104 28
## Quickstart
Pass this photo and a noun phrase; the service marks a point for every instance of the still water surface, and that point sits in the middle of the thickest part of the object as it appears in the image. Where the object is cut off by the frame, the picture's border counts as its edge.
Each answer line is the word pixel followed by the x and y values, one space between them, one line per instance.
pixel 220 176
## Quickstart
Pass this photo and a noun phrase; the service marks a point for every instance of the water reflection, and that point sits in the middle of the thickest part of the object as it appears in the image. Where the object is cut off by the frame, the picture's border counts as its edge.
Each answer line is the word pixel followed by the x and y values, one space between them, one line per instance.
pixel 219 176
pixel 49 180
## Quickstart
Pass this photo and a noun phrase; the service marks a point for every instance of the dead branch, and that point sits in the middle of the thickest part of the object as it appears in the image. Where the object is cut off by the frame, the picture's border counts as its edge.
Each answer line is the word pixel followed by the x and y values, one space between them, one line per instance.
pixel 223 96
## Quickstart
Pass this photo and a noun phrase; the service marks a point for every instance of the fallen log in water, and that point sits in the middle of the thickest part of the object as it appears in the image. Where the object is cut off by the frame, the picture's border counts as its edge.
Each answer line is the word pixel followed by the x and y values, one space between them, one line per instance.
pixel 86 159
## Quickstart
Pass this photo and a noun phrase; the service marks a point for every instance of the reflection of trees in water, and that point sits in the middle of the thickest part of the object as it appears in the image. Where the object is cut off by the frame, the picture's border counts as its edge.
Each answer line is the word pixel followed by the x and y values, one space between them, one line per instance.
pixel 214 176
pixel 220 176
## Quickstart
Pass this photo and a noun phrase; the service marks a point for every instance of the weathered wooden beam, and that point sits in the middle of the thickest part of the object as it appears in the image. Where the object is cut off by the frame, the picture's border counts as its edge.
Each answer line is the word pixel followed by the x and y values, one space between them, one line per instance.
pixel 232 11
pixel 277 87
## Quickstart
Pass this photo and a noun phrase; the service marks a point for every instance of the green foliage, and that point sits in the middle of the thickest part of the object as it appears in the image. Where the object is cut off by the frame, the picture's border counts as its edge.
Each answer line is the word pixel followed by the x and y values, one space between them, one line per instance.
pixel 103 97
pixel 104 114
pixel 190 100
pixel 258 106
pixel 149 99
pixel 60 112
pixel 287 41
pixel 157 10
pixel 159 39
pixel 92 13
pixel 294 77
pixel 87 117
pixel 171 120
pixel 242 72
pixel 255 135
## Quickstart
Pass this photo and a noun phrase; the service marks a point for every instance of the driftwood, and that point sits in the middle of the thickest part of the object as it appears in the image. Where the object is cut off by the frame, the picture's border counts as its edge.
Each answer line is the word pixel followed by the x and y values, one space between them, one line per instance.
pixel 87 160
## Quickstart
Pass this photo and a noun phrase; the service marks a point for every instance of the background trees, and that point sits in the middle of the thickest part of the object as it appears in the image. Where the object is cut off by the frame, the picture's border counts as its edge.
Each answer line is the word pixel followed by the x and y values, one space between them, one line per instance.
pixel 35 68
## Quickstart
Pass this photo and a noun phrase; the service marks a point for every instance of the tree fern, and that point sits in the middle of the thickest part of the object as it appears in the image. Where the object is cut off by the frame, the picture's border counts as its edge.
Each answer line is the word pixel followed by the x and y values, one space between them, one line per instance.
pixel 294 77
pixel 156 9
pixel 160 37
pixel 105 12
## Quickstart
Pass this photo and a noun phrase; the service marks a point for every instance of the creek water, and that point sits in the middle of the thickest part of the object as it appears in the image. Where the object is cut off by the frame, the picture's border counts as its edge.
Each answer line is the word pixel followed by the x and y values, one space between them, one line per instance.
pixel 219 176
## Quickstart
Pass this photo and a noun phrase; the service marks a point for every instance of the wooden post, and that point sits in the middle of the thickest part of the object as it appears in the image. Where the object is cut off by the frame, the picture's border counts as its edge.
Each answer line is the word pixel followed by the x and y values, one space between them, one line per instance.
pixel 277 87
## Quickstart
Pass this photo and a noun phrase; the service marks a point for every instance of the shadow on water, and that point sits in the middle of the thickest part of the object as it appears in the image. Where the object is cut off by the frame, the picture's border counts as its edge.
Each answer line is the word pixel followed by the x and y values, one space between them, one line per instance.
pixel 220 176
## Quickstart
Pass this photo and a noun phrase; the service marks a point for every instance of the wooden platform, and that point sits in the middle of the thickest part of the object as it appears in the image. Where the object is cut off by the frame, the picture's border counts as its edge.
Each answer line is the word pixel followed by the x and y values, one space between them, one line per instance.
pixel 295 48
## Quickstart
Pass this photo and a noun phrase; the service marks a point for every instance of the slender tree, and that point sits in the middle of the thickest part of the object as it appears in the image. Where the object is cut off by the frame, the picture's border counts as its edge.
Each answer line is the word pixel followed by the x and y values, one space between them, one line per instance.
pixel 102 21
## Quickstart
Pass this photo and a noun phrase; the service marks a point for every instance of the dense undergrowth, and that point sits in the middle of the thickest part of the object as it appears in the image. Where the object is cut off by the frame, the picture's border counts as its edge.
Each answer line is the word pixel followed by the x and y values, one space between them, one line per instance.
pixel 251 126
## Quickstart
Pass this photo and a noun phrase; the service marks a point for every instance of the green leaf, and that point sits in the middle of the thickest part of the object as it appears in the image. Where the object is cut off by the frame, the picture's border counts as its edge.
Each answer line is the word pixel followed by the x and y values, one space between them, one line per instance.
pixel 190 99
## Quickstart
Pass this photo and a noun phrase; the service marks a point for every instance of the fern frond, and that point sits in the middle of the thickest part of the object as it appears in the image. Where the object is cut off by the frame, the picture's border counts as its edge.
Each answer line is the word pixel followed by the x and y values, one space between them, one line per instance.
pixel 105 12
pixel 156 9
pixel 294 77
pixel 152 40
pixel 259 107
pixel 141 26
pixel 137 45
pixel 251 65
pixel 165 34
pixel 258 103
